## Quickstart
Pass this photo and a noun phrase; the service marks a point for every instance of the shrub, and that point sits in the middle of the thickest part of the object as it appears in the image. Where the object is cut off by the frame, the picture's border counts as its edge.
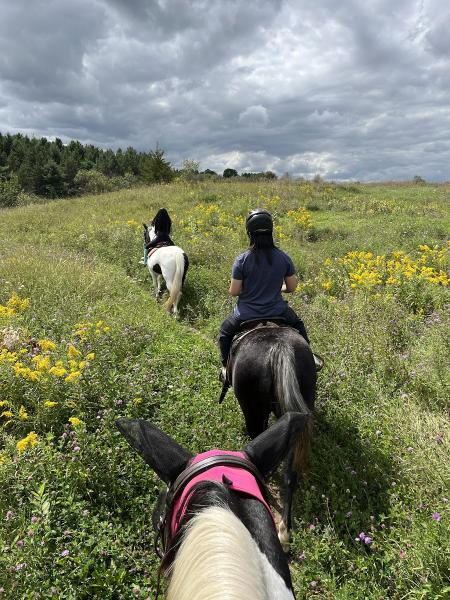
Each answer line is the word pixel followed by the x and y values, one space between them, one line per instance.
pixel 9 191
pixel 92 182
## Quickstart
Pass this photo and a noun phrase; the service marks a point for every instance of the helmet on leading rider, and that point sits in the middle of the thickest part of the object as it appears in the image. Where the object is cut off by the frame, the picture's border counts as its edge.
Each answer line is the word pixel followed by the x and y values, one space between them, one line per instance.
pixel 259 221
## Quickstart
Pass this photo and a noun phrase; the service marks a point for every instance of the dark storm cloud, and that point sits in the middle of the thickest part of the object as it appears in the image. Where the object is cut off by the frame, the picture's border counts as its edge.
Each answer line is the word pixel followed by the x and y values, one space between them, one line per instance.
pixel 347 90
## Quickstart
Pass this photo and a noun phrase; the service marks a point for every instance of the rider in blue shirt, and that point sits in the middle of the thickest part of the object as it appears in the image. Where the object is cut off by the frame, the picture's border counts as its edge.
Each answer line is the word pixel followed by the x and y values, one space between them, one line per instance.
pixel 259 275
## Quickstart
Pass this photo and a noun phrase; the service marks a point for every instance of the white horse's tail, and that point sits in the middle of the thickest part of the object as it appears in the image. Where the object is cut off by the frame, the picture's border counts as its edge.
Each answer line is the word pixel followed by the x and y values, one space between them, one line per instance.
pixel 177 282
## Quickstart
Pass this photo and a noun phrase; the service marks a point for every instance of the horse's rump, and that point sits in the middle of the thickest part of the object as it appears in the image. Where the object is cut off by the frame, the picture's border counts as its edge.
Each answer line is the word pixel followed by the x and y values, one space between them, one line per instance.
pixel 263 363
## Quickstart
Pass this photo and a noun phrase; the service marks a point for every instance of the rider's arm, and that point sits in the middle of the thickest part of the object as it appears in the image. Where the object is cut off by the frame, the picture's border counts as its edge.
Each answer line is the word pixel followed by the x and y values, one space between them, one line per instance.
pixel 290 284
pixel 235 287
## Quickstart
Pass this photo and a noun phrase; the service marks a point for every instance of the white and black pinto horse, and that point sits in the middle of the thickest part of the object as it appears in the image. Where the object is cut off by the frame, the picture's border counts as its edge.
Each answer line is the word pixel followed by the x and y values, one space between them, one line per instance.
pixel 272 370
pixel 170 263
pixel 220 542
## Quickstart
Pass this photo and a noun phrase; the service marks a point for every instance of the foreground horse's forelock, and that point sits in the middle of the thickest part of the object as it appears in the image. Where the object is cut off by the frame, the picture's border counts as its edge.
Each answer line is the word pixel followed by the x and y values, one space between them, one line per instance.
pixel 240 535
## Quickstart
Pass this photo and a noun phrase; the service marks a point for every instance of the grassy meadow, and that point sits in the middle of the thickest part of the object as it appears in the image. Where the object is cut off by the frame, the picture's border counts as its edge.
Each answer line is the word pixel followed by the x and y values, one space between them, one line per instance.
pixel 82 342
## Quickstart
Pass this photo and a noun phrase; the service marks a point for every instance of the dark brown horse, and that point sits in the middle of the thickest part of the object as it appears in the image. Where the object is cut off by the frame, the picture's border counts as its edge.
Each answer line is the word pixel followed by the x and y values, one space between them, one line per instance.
pixel 272 370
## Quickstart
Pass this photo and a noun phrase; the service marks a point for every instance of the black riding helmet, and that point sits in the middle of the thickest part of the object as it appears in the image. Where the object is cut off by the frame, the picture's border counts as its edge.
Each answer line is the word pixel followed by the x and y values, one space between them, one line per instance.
pixel 259 221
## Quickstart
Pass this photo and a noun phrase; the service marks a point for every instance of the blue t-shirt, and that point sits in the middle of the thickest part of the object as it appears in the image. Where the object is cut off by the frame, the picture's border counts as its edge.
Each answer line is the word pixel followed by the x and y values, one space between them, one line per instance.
pixel 261 283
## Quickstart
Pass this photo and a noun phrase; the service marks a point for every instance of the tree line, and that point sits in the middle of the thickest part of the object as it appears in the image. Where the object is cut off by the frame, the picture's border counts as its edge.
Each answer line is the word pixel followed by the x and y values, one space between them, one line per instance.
pixel 39 167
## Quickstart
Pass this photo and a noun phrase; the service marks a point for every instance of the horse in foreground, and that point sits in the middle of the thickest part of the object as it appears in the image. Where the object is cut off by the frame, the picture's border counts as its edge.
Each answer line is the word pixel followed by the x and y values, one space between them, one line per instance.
pixel 272 370
pixel 219 536
pixel 169 262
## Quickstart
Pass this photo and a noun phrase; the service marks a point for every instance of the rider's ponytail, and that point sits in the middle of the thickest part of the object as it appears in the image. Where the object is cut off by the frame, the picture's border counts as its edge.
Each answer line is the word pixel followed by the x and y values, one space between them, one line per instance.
pixel 262 244
pixel 162 223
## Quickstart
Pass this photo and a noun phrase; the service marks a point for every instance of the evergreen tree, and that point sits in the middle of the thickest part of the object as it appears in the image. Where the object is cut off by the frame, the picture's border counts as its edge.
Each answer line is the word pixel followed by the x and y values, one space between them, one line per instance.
pixel 155 168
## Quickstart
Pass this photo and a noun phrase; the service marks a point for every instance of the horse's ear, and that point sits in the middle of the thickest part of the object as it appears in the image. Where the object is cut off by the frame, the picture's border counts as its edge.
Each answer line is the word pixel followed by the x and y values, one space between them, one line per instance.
pixel 270 447
pixel 162 453
pixel 145 226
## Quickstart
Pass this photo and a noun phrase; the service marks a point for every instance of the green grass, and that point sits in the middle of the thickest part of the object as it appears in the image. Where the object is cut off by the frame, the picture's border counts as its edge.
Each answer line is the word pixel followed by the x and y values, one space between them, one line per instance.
pixel 381 437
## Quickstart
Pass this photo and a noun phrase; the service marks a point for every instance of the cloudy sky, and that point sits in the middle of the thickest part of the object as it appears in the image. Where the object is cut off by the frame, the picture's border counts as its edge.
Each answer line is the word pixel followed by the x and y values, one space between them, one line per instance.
pixel 348 89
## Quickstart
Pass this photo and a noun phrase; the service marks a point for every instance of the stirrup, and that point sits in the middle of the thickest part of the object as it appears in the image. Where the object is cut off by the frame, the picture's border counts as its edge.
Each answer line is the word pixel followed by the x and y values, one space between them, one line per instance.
pixel 318 361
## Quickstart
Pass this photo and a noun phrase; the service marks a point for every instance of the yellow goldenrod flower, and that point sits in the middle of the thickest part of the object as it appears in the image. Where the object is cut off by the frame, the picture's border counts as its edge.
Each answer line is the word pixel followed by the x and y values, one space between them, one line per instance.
pixel 50 404
pixel 72 352
pixel 5 311
pixel 23 415
pixel 42 363
pixel 7 414
pixel 136 401
pixel 3 403
pixel 75 421
pixel 30 440
pixel 46 345
pixel 58 371
pixel 90 356
pixel 17 303
pixel 73 376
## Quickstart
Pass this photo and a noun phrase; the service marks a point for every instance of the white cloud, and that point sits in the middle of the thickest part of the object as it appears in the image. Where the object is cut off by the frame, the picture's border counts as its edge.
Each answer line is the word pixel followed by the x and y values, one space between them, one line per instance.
pixel 254 116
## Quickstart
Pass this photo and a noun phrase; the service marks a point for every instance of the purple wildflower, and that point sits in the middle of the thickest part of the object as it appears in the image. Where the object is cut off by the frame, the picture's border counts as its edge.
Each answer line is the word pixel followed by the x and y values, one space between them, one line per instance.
pixel 76 448
pixel 313 584
pixel 436 516
pixel 34 519
pixel 65 553
pixel 9 515
pixel 19 543
pixel 349 514
pixel 410 449
pixel 368 540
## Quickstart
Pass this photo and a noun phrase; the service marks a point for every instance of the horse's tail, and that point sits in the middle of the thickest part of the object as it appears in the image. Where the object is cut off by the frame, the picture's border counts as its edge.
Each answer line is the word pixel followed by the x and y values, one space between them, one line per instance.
pixel 177 282
pixel 289 397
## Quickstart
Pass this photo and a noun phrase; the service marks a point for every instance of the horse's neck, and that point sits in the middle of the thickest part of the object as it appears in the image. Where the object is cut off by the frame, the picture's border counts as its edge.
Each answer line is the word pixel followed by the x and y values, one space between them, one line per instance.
pixel 218 559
